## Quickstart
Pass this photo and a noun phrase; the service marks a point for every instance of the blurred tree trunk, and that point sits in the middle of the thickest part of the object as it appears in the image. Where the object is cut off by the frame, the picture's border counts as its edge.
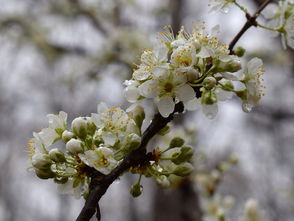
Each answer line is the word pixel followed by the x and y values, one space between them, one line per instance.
pixel 181 204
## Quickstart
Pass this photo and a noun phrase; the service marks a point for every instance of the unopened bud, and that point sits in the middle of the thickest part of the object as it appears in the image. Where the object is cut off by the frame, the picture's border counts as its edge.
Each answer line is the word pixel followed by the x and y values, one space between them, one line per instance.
pixel 67 135
pixel 192 74
pixel 163 181
pixel 209 82
pixel 41 161
pixel 136 190
pixel 183 169
pixel 44 173
pixel 172 153
pixel 74 146
pixel 221 215
pixel 233 65
pixel 185 155
pixel 176 142
pixel 239 51
pixel 164 131
pixel 56 155
pixel 79 126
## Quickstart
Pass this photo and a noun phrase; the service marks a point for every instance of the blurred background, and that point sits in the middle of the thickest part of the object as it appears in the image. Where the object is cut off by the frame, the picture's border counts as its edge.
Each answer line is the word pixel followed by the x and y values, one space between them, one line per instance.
pixel 72 54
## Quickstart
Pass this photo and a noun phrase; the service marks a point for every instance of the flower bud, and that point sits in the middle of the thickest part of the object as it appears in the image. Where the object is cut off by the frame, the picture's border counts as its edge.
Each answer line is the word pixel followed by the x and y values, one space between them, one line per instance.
pixel 67 135
pixel 74 146
pixel 44 173
pixel 79 126
pixel 136 190
pixel 228 86
pixel 56 155
pixel 233 65
pixel 221 215
pixel 209 82
pixel 192 75
pixel 172 153
pixel 41 161
pixel 185 155
pixel 176 142
pixel 163 181
pixel 239 51
pixel 183 169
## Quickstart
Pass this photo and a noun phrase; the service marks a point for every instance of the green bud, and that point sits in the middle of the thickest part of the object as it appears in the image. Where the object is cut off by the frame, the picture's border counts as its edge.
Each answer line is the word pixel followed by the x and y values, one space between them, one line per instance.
pixel 91 127
pixel 164 131
pixel 176 142
pixel 67 135
pixel 163 181
pixel 221 215
pixel 57 155
pixel 228 86
pixel 136 190
pixel 41 161
pixel 44 173
pixel 242 94
pixel 209 83
pixel 208 97
pixel 233 65
pixel 239 51
pixel 185 155
pixel 60 180
pixel 172 153
pixel 183 169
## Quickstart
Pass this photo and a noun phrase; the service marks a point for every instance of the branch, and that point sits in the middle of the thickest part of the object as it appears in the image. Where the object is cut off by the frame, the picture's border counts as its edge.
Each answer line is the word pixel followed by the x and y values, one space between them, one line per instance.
pixel 251 21
pixel 136 157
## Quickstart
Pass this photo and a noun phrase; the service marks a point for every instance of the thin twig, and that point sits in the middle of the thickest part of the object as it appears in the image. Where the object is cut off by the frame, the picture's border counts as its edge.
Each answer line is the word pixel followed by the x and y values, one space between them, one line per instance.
pixel 251 21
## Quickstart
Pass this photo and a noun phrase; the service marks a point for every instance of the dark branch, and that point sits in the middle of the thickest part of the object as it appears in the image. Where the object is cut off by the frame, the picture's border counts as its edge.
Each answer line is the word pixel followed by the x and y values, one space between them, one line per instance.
pixel 136 157
pixel 251 21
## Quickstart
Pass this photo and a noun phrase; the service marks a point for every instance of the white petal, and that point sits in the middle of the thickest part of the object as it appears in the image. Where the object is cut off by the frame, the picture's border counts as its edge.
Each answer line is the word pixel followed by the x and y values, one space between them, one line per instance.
pixel 193 104
pixel 223 95
pixel 185 93
pixel 109 138
pixel 254 64
pixel 210 110
pixel 141 74
pixel 166 106
pixel 203 53
pixel 149 89
pixel 131 94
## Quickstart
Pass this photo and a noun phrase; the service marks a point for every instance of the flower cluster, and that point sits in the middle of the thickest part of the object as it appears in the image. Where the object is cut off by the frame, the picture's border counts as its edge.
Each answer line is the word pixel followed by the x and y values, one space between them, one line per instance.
pixel 195 69
pixel 98 143
pixel 171 161
pixel 281 19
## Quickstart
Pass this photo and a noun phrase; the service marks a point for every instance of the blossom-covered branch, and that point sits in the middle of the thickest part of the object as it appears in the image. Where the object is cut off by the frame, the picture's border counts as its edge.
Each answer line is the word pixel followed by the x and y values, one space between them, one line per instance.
pixel 136 157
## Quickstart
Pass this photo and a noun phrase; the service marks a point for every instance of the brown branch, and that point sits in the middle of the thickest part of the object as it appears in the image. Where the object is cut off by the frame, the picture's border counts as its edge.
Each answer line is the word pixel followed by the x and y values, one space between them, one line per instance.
pixel 136 157
pixel 251 21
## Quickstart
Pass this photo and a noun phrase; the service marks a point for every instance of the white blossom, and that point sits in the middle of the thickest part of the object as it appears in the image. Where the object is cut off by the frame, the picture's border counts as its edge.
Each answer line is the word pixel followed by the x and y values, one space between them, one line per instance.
pixel 252 80
pixel 102 159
